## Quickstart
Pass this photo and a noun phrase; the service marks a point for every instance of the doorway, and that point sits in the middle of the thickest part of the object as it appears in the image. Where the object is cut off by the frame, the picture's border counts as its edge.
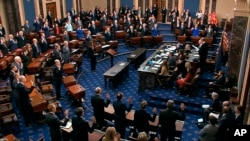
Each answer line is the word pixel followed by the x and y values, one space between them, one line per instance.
pixel 160 4
pixel 52 8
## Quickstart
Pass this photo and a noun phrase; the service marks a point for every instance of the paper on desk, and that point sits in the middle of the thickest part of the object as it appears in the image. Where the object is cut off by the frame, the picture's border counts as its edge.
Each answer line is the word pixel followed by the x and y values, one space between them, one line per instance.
pixel 205 106
pixel 154 68
pixel 122 64
pixel 157 66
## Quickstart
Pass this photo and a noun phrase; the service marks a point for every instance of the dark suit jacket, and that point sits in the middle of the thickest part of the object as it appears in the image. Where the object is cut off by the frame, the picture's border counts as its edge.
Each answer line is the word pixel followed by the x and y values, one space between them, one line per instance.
pixel 108 36
pixel 203 53
pixel 4 49
pixel 21 41
pixel 24 94
pixel 43 44
pixel 12 45
pixel 221 80
pixel 57 55
pixel 57 74
pixel 167 120
pixel 238 120
pixel 141 119
pixel 37 26
pixel 98 104
pixel 81 129
pixel 216 106
pixel 54 126
pixel 120 109
pixel 224 123
pixel 36 52
pixel 27 29
pixel 144 32
pixel 12 77
pixel 93 30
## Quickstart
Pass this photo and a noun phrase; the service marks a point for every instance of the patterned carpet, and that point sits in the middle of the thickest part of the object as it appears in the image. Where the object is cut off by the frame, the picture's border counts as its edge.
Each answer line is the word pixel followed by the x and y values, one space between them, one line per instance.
pixel 157 97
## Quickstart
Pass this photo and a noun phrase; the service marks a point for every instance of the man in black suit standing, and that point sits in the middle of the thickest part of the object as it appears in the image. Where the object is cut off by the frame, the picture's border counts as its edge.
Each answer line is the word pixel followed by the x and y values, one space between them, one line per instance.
pixel 203 53
pixel 163 13
pixel 24 100
pixel 36 48
pixel 21 40
pixel 58 76
pixel 107 34
pixel 54 123
pixel 120 117
pixel 98 104
pixel 141 118
pixel 167 119
pixel 224 123
pixel 80 126
pixel 49 18
pixel 155 11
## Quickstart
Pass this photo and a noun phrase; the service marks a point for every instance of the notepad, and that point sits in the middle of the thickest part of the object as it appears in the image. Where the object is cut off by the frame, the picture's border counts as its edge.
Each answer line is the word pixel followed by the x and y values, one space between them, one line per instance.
pixel 154 68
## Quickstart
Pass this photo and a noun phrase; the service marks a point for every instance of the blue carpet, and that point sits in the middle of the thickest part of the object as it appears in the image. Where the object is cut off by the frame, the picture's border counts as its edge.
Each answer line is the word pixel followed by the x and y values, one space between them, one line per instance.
pixel 156 98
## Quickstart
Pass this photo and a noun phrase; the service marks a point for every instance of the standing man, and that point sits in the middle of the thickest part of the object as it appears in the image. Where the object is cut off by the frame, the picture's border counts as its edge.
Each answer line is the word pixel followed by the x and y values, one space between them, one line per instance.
pixel 164 12
pixel 58 75
pixel 24 100
pixel 98 104
pixel 203 53
pixel 167 121
pixel 141 118
pixel 54 123
pixel 120 117
pixel 49 18
pixel 81 126
pixel 155 11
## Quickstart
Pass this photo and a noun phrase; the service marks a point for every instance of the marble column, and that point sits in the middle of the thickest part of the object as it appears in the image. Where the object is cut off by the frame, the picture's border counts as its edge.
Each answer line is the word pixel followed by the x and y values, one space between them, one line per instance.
pixel 12 10
pixel 237 45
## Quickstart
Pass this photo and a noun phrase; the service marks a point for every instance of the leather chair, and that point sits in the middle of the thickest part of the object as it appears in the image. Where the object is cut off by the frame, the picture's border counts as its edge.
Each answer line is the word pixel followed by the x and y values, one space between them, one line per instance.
pixel 195 40
pixel 177 32
pixel 120 35
pixel 157 40
pixel 73 43
pixel 189 88
pixel 73 35
pixel 181 39
pixel 113 44
pixel 135 41
pixel 6 109
pixel 147 40
pixel 209 41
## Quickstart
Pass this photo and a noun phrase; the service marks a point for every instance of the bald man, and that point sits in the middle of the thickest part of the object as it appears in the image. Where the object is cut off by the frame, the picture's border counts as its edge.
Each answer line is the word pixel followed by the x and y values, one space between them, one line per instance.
pixel 98 104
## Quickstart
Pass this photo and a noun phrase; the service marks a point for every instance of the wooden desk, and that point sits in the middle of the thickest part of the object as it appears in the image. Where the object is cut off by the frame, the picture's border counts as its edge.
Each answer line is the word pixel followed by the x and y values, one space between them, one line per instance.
pixel 10 137
pixel 38 102
pixel 120 35
pixel 137 57
pixel 69 68
pixel 29 78
pixel 35 67
pixel 69 81
pixel 77 92
pixel 117 73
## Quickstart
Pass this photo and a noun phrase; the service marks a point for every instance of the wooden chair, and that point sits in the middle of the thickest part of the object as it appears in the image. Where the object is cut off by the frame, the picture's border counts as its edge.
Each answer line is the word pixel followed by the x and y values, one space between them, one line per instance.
pixel 157 40
pixel 135 41
pixel 189 88
pixel 177 32
pixel 9 121
pixel 147 40
pixel 48 73
pixel 121 35
pixel 181 39
pixel 209 41
pixel 4 99
pixel 6 109
pixel 195 40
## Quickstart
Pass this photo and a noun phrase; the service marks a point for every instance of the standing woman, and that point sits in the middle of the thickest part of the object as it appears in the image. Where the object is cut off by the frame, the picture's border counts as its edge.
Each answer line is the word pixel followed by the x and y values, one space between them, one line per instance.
pixel 164 71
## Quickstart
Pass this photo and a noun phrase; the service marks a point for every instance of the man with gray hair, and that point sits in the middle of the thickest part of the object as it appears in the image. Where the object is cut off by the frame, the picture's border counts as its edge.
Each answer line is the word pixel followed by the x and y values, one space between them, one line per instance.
pixel 24 100
pixel 167 119
pixel 18 63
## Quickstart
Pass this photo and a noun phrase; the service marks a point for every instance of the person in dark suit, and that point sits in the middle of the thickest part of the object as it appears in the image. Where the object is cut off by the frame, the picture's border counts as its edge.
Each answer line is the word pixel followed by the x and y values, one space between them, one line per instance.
pixel 155 10
pixel 131 32
pixel 93 28
pixel 57 77
pixel 36 48
pixel 93 55
pixel 81 126
pixel 43 43
pixel 27 28
pixel 58 21
pixel 25 60
pixel 203 51
pixel 49 19
pixel 214 107
pixel 54 122
pixel 120 117
pixel 164 13
pixel 3 46
pixel 25 105
pixel 2 31
pixel 66 52
pixel 13 71
pixel 21 40
pixel 238 115
pixel 167 119
pixel 209 132
pixel 224 123
pixel 141 118
pixel 98 104
pixel 219 80
pixel 144 30
pixel 37 24
pixel 12 43
pixel 57 55
pixel 72 13
pixel 108 35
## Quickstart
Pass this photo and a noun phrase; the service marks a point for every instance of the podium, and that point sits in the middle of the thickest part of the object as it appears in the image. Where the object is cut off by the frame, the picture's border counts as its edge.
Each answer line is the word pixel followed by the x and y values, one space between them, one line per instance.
pixel 69 81
pixel 111 52
pixel 77 92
